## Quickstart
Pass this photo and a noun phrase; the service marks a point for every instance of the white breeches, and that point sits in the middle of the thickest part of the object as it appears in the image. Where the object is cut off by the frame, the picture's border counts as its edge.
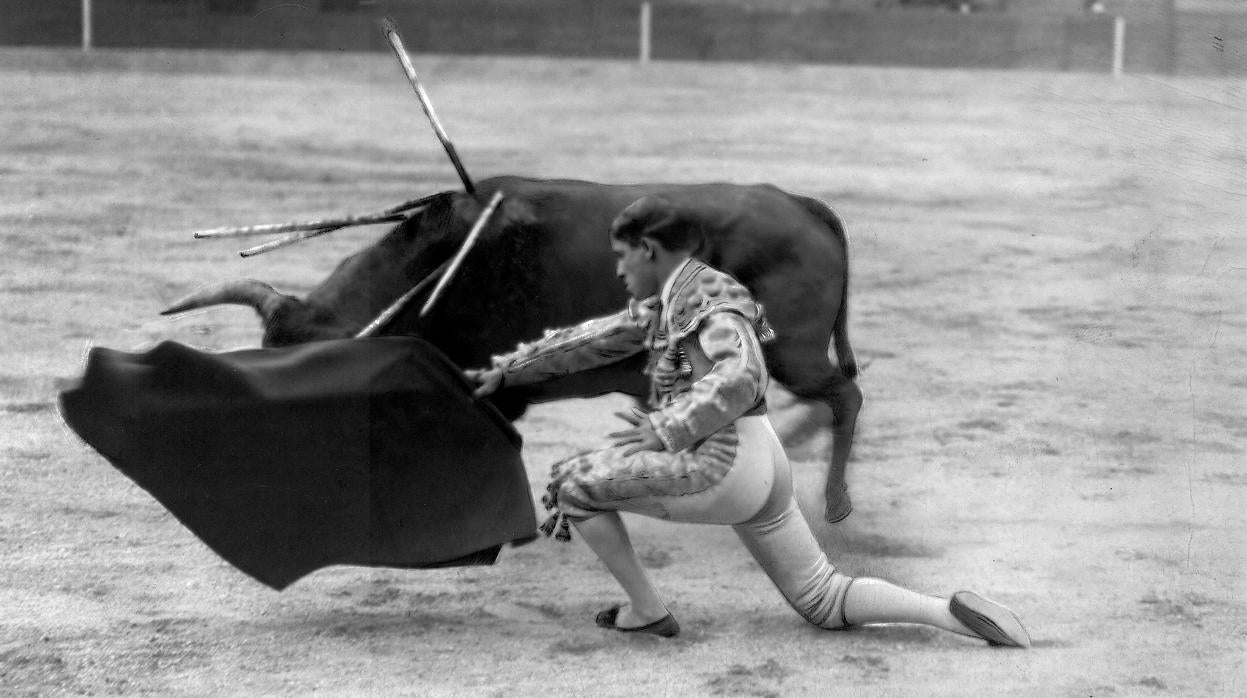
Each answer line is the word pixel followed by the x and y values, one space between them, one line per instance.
pixel 754 496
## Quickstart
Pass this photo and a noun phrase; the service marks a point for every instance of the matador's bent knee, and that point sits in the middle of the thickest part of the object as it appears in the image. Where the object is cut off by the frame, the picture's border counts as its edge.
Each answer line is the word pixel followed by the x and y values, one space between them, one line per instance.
pixel 783 545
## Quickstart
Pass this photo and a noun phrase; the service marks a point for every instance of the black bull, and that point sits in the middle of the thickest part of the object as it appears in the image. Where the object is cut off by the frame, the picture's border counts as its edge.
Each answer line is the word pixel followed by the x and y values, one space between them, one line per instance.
pixel 545 261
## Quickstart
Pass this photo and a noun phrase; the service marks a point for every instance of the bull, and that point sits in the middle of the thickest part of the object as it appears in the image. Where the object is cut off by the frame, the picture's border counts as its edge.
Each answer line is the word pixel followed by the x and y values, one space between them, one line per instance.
pixel 545 261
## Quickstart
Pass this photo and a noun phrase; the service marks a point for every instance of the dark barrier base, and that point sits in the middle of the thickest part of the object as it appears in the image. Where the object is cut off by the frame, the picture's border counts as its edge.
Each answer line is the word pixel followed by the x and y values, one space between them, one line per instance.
pixel 580 28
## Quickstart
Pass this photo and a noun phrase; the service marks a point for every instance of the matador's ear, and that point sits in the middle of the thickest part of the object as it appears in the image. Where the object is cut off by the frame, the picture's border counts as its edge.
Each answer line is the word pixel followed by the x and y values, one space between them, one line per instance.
pixel 647 245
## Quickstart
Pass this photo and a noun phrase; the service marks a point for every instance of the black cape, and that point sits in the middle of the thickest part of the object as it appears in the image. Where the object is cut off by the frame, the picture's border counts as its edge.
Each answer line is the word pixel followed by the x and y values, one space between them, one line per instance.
pixel 283 461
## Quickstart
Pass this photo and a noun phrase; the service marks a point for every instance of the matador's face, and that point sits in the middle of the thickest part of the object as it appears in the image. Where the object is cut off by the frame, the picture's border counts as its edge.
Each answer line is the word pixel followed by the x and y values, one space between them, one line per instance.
pixel 635 266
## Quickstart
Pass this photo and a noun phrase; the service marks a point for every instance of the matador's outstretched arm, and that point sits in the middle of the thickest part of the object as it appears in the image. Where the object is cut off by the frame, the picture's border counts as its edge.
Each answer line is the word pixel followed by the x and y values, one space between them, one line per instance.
pixel 591 344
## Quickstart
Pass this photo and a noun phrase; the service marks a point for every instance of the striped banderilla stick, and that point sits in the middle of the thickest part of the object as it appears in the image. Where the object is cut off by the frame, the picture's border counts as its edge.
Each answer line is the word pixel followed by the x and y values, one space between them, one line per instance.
pixel 442 275
pixel 269 228
pixel 407 208
pixel 396 43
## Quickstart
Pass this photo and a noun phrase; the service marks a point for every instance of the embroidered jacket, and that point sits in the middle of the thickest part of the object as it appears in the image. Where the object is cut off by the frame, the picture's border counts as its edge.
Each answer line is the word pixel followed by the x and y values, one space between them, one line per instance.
pixel 703 333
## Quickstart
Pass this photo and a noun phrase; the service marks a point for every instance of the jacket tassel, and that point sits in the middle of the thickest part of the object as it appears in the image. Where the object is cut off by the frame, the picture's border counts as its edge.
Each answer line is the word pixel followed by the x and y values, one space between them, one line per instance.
pixel 565 531
pixel 547 528
pixel 557 526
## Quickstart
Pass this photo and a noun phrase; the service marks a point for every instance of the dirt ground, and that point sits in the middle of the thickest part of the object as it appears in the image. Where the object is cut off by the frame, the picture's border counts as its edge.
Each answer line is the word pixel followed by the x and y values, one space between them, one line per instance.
pixel 1048 284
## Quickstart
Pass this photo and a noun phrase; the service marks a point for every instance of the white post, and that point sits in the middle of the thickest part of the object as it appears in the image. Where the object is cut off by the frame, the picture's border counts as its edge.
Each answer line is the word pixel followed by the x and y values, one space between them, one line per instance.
pixel 646 14
pixel 1119 45
pixel 86 25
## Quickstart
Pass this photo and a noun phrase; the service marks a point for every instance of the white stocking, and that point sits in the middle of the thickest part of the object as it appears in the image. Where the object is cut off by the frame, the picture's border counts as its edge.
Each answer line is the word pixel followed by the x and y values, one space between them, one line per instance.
pixel 869 600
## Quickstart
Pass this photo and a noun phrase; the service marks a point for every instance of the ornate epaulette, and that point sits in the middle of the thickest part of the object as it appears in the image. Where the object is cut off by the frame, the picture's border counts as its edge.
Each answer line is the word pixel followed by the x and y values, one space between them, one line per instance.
pixel 700 290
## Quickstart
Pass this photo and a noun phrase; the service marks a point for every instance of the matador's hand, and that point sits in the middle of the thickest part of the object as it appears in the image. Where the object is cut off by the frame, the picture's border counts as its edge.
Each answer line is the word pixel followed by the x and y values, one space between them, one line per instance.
pixel 487 381
pixel 641 435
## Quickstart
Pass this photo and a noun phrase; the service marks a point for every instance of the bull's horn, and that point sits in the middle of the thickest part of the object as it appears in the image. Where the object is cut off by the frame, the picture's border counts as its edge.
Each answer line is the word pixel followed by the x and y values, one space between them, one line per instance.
pixel 258 295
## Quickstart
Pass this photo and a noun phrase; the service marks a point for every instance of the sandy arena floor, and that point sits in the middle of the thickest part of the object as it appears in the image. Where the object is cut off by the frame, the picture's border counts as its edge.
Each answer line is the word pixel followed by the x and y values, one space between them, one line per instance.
pixel 1048 284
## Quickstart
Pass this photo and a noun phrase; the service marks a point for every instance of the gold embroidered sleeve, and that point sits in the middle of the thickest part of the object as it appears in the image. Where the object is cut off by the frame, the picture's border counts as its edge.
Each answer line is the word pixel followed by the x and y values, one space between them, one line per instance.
pixel 593 343
pixel 734 384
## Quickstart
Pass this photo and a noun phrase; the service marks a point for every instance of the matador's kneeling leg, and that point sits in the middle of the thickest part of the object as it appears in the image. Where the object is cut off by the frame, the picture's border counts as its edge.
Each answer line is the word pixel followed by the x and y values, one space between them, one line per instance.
pixel 781 541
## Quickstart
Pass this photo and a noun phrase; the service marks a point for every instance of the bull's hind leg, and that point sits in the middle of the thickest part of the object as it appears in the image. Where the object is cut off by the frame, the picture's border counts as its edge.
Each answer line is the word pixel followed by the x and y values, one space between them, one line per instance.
pixel 810 374
pixel 846 402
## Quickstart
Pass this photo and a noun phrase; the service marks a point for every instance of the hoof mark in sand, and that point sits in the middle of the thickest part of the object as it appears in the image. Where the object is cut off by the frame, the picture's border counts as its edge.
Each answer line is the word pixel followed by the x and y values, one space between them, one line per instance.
pixel 1229 421
pixel 1046 449
pixel 27 407
pixel 1092 334
pixel 88 513
pixel 1115 471
pixel 549 610
pixel 1188 608
pixel 577 648
pixel 655 558
pixel 738 679
pixel 1134 438
pixel 1228 478
pixel 944 437
pixel 984 424
pixel 875 545
pixel 24 454
pixel 24 667
pixel 379 597
pixel 1132 555
pixel 1213 446
pixel 871 664
pixel 969 430
pixel 523 612
pixel 169 625
pixel 1027 386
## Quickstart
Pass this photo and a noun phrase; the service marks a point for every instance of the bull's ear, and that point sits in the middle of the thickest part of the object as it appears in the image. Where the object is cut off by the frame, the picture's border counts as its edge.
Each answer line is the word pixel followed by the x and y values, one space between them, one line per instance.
pixel 466 209
pixel 514 212
pixel 510 212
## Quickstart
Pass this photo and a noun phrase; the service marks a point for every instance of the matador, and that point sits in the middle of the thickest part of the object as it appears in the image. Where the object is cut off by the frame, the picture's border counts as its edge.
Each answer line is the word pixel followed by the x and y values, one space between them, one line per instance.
pixel 706 451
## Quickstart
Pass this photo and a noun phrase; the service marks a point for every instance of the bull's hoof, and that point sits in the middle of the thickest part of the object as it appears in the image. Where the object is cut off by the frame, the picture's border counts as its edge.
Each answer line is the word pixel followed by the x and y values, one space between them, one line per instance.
pixel 838 507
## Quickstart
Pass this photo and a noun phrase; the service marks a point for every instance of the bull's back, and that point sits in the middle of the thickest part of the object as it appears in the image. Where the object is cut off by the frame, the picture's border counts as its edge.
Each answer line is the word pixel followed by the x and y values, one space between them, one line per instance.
pixel 748 227
pixel 791 258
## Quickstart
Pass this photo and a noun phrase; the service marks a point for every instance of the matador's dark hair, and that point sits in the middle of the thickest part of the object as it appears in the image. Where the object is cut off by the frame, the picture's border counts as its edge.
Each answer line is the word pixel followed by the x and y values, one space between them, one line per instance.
pixel 656 218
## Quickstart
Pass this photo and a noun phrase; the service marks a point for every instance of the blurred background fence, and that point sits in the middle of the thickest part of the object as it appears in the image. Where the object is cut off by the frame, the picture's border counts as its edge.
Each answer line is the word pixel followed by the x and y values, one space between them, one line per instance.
pixel 1206 37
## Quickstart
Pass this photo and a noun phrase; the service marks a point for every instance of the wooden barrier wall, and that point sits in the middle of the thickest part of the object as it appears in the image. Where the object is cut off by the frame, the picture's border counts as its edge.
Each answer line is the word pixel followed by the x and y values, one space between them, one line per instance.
pixel 1204 44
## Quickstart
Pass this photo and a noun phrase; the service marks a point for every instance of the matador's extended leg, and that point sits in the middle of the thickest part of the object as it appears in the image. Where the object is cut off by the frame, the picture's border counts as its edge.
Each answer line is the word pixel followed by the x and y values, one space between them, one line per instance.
pixel 780 540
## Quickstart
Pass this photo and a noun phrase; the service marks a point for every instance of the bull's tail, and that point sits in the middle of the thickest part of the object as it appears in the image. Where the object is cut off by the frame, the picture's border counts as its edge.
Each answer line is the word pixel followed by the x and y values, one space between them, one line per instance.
pixel 839 329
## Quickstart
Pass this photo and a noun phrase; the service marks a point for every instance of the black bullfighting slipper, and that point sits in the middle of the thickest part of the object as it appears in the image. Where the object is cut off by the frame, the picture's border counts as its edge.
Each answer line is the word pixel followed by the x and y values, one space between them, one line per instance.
pixel 663 627
pixel 993 622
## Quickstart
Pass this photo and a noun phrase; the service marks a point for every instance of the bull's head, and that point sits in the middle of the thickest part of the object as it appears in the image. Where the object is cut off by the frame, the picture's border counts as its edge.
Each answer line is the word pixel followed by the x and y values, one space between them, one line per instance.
pixel 365 283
